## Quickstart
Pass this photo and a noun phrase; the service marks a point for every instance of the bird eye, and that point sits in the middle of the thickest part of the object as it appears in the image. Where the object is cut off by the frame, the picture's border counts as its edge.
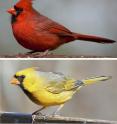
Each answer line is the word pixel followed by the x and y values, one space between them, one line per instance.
pixel 20 78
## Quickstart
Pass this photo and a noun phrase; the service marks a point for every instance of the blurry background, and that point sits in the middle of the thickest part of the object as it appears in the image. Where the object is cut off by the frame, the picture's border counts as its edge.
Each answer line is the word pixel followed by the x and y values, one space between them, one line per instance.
pixel 83 16
pixel 95 101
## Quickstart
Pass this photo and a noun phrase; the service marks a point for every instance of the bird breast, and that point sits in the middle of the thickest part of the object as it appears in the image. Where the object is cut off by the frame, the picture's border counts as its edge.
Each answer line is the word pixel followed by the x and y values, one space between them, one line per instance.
pixel 29 37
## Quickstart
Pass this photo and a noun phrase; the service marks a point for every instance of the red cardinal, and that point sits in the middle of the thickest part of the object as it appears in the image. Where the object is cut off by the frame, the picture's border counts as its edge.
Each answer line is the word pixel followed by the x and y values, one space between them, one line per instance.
pixel 39 33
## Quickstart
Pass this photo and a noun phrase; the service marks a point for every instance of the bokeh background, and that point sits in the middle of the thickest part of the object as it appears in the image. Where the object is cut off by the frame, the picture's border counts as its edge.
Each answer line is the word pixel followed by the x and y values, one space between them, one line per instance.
pixel 84 16
pixel 95 101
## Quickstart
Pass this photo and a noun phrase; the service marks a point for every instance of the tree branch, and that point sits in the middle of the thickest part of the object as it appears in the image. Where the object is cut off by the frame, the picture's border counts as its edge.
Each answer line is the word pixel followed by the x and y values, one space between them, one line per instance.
pixel 50 55
pixel 15 118
pixel 64 120
pixel 27 118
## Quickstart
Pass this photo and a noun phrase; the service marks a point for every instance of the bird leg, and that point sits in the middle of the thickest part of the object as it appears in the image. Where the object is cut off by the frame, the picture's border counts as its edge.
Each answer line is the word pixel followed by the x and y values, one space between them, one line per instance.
pixel 38 111
pixel 31 52
pixel 60 107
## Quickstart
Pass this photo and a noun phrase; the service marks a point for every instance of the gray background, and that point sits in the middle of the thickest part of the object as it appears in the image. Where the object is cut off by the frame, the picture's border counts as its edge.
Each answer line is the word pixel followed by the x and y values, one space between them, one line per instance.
pixel 95 101
pixel 84 16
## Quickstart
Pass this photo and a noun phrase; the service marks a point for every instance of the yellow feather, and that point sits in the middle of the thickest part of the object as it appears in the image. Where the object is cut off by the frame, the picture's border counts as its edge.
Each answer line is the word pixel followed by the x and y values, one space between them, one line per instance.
pixel 93 80
pixel 47 90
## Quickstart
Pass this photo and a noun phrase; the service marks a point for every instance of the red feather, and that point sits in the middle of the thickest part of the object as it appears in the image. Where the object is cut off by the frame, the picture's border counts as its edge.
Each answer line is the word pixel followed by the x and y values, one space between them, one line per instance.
pixel 25 4
pixel 37 32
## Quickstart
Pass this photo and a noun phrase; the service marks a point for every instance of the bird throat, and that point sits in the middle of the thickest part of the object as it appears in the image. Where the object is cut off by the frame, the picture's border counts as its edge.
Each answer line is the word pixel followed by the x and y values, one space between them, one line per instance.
pixel 13 19
pixel 28 94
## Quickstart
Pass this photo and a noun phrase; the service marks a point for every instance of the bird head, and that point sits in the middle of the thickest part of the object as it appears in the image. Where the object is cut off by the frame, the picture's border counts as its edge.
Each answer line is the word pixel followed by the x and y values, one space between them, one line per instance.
pixel 19 8
pixel 23 76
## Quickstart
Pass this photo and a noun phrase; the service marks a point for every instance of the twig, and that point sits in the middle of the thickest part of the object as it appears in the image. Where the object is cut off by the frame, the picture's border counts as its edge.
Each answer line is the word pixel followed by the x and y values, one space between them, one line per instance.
pixel 27 118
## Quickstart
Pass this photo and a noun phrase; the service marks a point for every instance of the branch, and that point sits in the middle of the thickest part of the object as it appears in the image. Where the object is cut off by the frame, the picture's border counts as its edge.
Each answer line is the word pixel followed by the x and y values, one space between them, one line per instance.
pixel 50 55
pixel 15 118
pixel 27 118
pixel 64 120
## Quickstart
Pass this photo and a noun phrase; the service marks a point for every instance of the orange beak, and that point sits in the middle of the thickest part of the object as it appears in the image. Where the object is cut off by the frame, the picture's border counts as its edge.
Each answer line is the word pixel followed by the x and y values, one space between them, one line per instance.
pixel 12 11
pixel 15 81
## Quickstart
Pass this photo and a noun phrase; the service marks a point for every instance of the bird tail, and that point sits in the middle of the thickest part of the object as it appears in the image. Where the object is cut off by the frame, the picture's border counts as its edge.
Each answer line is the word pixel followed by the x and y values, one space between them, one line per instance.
pixel 93 39
pixel 92 80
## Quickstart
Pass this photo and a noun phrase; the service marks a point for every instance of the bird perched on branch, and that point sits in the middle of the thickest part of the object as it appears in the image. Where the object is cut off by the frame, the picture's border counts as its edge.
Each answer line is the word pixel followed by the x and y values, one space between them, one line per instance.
pixel 50 88
pixel 38 33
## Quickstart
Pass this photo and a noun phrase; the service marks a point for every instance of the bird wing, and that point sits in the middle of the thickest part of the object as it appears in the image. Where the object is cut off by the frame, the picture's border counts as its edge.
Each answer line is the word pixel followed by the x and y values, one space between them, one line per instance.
pixel 57 82
pixel 45 24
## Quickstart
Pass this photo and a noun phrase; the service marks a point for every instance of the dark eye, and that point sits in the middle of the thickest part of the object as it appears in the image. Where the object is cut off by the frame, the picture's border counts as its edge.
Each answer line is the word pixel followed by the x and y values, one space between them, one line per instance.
pixel 20 78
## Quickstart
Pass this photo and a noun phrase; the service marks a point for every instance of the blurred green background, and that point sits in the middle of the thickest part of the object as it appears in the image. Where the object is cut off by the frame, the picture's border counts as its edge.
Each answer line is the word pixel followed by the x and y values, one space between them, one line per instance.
pixel 95 101
pixel 97 17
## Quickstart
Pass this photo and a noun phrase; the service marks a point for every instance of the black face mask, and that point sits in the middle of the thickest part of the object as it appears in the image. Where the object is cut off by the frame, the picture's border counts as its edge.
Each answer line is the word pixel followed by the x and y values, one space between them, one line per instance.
pixel 18 12
pixel 20 79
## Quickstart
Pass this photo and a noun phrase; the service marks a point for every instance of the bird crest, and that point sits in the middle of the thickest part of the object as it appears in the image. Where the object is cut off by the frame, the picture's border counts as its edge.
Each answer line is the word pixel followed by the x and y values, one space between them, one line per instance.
pixel 25 4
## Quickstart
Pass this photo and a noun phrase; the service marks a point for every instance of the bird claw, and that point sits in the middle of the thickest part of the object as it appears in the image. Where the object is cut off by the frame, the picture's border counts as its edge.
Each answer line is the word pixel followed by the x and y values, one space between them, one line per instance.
pixel 33 119
pixel 47 52
pixel 34 115
pixel 39 114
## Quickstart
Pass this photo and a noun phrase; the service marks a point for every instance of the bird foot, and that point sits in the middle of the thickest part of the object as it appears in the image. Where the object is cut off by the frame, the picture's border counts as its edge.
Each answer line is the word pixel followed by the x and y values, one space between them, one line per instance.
pixel 33 119
pixel 39 114
pixel 47 52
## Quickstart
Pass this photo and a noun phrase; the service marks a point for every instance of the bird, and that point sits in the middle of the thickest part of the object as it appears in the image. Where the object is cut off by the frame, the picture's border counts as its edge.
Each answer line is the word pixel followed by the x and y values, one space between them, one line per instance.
pixel 48 89
pixel 39 33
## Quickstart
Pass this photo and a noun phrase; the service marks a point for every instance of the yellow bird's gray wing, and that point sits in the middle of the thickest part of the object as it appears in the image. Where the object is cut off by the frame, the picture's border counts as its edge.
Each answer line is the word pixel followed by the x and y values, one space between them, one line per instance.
pixel 57 82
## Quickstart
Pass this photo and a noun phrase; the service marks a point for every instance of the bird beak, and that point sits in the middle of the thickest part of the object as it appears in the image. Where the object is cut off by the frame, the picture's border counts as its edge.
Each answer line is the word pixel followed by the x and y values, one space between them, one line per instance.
pixel 15 81
pixel 12 11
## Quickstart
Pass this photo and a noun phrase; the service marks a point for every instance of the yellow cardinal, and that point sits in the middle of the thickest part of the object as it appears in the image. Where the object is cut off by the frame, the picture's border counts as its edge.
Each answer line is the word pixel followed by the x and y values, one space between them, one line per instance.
pixel 50 88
